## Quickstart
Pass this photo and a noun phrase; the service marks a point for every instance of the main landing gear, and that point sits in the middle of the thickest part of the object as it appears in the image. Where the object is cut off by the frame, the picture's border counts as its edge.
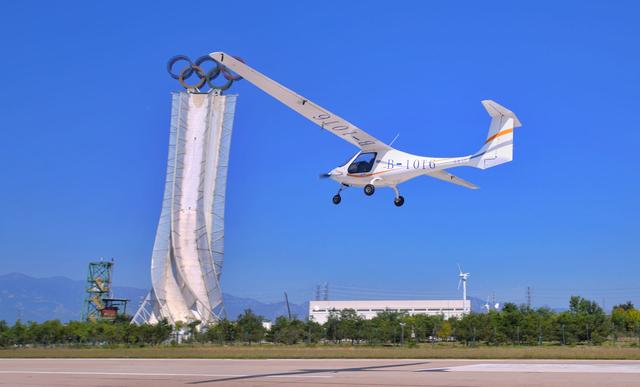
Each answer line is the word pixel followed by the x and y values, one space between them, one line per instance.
pixel 399 200
pixel 369 189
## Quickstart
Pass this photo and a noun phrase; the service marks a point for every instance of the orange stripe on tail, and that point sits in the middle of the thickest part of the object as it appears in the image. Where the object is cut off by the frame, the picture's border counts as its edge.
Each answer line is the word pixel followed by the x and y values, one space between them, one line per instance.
pixel 501 133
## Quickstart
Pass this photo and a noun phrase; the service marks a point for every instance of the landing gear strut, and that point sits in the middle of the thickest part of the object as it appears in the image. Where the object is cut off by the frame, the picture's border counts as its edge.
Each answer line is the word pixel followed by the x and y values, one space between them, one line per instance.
pixel 369 189
pixel 399 200
pixel 337 198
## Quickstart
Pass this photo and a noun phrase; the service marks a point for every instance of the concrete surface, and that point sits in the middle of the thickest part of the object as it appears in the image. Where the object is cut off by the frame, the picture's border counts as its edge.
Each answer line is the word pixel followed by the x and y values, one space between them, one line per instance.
pixel 334 372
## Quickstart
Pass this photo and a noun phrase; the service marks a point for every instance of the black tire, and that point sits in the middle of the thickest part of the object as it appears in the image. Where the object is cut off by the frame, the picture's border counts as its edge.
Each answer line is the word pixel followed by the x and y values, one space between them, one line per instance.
pixel 369 189
pixel 336 199
pixel 399 201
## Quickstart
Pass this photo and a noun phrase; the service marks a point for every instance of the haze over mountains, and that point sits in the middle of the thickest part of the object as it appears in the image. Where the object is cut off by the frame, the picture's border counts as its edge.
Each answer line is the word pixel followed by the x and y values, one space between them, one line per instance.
pixel 40 299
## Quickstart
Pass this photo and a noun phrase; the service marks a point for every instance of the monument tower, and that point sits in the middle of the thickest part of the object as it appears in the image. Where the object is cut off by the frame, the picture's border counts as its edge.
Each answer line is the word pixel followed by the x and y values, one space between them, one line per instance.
pixel 188 252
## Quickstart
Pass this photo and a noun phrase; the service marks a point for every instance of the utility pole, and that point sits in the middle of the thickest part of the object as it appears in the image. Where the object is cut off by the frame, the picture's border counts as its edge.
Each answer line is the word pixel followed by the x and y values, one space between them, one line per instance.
pixel 326 291
pixel 286 299
pixel 317 292
pixel 529 297
pixel 19 310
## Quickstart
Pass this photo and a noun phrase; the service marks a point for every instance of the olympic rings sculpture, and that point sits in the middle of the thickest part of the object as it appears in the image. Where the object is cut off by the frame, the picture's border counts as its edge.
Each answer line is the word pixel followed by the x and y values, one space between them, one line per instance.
pixel 204 77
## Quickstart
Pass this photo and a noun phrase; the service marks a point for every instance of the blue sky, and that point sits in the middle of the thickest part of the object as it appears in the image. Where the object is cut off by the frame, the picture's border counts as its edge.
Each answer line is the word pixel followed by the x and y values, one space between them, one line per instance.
pixel 85 105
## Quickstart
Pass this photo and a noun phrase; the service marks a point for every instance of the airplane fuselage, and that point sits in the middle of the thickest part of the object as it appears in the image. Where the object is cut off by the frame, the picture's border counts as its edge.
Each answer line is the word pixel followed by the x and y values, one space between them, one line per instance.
pixel 390 168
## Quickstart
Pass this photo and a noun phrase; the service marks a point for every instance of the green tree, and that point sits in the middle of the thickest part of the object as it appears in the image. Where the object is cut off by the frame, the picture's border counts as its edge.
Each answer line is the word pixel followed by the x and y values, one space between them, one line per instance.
pixel 4 334
pixel 313 332
pixel 331 326
pixel 250 327
pixel 287 331
pixel 387 326
pixel 625 318
pixel 348 325
pixel 444 331
pixel 223 331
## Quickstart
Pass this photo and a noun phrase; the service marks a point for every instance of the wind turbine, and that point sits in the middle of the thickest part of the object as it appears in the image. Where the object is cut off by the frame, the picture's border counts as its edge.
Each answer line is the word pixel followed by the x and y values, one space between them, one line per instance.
pixel 486 305
pixel 463 280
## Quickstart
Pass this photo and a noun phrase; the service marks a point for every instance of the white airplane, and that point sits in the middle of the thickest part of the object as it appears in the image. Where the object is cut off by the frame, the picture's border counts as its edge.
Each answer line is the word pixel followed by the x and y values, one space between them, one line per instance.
pixel 378 164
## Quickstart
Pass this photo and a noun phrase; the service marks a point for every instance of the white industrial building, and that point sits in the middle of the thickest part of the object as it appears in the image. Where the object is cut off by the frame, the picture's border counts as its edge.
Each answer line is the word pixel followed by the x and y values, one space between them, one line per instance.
pixel 319 311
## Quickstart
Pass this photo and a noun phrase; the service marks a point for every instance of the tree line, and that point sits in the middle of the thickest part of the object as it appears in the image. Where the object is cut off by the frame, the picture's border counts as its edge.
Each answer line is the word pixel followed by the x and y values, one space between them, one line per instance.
pixel 584 322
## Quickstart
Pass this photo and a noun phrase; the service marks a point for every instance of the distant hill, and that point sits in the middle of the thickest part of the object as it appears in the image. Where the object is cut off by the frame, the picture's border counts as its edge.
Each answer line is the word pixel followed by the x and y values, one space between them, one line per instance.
pixel 40 299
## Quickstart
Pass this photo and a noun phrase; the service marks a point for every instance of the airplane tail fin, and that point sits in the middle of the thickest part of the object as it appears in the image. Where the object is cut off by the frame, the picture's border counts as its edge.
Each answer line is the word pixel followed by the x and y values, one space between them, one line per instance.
pixel 498 147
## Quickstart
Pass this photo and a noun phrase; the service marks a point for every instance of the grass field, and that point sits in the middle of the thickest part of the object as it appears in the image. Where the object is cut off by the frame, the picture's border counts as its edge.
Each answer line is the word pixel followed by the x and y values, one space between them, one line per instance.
pixel 332 351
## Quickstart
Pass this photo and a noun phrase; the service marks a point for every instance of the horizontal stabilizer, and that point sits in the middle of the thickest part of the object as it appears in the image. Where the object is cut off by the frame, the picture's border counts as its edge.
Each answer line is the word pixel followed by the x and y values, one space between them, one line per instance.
pixel 446 176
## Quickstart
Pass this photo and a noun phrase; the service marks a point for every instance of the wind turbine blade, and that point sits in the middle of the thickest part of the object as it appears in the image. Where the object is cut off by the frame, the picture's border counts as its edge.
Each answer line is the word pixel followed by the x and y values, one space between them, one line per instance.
pixel 459 282
pixel 459 268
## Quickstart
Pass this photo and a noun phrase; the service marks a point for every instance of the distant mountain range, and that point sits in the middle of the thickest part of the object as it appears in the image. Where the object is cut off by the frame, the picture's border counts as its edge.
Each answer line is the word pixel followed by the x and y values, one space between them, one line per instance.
pixel 40 299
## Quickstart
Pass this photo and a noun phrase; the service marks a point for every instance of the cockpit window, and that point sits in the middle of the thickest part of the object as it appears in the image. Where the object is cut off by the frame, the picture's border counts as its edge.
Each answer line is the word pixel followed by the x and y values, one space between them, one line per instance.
pixel 363 163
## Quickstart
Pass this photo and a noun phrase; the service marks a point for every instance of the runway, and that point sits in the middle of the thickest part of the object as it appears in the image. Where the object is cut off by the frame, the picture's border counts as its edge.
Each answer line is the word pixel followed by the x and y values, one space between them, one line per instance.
pixel 320 372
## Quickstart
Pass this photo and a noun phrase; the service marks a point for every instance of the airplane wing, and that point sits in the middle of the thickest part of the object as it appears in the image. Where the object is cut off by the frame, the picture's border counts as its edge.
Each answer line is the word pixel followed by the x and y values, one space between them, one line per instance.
pixel 315 113
pixel 446 176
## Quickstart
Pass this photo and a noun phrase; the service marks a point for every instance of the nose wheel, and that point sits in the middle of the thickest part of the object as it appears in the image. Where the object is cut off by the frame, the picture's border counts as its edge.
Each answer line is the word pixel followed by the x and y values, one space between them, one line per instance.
pixel 336 199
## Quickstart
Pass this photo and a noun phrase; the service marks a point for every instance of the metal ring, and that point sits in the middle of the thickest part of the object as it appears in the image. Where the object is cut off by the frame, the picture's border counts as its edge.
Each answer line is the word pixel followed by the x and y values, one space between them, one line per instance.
pixel 221 88
pixel 203 77
pixel 174 60
pixel 214 72
pixel 199 71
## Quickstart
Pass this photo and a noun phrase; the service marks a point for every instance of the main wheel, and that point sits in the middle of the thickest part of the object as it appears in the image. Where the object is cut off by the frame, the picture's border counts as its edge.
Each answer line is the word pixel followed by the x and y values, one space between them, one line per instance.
pixel 399 201
pixel 369 189
pixel 336 199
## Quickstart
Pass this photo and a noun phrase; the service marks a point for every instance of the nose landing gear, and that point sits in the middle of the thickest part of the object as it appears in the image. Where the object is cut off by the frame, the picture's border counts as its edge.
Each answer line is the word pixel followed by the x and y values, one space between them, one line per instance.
pixel 336 199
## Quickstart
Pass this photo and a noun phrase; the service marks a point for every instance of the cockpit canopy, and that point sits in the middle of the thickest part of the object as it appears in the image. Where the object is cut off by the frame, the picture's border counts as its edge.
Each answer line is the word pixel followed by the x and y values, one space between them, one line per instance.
pixel 363 163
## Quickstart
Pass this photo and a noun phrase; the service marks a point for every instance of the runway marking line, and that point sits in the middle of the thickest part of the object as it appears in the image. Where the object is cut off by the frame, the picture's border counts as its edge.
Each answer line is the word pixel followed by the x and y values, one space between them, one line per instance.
pixel 541 368
pixel 157 374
